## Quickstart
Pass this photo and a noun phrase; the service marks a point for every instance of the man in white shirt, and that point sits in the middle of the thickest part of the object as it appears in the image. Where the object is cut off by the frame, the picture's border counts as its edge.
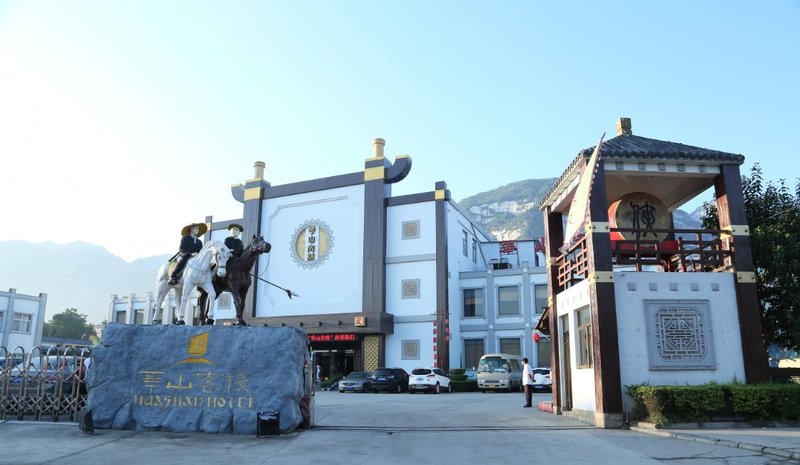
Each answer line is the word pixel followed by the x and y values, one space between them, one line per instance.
pixel 527 381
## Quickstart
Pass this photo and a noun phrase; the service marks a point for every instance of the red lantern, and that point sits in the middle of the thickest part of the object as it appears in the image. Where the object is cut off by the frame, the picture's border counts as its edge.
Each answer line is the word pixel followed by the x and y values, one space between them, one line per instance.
pixel 536 337
pixel 434 330
pixel 434 322
pixel 447 338
pixel 434 340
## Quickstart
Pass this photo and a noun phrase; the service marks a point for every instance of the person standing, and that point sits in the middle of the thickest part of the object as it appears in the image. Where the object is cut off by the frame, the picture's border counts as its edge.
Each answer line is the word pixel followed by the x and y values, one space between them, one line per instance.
pixel 527 381
pixel 233 242
pixel 190 245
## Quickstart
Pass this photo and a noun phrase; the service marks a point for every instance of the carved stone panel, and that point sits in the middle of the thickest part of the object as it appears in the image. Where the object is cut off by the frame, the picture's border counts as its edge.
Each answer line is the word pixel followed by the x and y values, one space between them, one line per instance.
pixel 679 335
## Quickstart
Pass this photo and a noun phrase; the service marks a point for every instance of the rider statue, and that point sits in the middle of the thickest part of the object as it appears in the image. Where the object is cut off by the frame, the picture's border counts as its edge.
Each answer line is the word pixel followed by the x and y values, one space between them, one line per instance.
pixel 190 245
pixel 233 242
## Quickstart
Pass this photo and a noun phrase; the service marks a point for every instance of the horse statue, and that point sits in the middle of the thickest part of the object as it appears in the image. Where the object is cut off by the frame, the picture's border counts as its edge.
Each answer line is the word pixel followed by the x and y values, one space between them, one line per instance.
pixel 237 280
pixel 211 260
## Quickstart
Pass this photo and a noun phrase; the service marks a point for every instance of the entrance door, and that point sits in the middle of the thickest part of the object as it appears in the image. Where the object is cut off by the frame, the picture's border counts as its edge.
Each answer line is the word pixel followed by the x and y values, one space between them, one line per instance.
pixel 566 364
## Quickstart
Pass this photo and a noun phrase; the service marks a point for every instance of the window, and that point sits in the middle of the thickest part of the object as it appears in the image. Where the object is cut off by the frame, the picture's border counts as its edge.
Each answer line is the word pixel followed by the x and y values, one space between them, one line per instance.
pixel 584 338
pixel 2 321
pixel 474 251
pixel 540 298
pixel 473 350
pixel 473 303
pixel 139 317
pixel 510 345
pixel 508 300
pixel 543 352
pixel 225 301
pixel 464 244
pixel 410 350
pixel 120 317
pixel 22 323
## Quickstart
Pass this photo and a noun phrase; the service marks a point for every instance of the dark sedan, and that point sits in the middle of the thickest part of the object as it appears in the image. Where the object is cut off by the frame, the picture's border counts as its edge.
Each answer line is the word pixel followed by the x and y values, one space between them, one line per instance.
pixel 356 381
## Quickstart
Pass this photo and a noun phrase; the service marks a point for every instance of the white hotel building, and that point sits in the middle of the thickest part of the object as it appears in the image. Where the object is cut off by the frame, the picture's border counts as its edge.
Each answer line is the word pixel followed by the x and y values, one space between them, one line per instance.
pixel 396 281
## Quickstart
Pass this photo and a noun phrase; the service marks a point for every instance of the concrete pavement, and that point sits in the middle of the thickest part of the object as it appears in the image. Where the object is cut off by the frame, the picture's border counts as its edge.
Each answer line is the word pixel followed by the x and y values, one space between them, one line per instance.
pixel 471 428
pixel 782 442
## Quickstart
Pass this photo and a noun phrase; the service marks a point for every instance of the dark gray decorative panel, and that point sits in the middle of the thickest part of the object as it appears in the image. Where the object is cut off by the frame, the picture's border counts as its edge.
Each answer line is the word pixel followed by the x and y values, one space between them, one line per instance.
pixel 410 350
pixel 679 335
pixel 411 229
pixel 410 289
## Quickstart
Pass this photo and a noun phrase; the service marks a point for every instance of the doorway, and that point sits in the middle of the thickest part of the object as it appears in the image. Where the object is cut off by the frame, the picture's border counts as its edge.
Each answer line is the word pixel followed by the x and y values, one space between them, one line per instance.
pixel 566 364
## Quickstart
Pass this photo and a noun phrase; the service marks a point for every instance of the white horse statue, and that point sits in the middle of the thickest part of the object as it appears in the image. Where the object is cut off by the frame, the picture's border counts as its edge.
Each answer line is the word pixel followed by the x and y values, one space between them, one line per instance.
pixel 212 258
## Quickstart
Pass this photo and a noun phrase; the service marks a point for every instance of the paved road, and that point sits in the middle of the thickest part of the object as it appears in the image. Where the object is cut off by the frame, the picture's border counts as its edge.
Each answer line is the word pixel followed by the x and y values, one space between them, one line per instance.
pixel 353 429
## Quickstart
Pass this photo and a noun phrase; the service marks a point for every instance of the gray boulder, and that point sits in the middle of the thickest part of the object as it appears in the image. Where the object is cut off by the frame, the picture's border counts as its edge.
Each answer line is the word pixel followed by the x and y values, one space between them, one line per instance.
pixel 212 379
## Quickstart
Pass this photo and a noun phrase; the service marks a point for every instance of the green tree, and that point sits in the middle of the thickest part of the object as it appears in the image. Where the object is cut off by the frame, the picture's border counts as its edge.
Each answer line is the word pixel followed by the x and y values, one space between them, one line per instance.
pixel 69 324
pixel 773 215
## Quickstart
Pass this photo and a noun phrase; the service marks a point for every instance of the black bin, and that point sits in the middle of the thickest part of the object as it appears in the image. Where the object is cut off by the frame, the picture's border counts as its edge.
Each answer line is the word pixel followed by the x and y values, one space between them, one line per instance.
pixel 268 424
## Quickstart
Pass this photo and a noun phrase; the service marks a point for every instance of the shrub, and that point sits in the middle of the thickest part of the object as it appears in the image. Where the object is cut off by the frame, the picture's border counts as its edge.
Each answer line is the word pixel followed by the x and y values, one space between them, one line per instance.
pixel 457 375
pixel 672 404
pixel 469 385
pixel 766 401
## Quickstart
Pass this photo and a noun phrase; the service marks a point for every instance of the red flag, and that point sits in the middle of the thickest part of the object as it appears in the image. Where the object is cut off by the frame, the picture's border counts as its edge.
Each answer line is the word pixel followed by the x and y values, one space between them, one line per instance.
pixel 508 247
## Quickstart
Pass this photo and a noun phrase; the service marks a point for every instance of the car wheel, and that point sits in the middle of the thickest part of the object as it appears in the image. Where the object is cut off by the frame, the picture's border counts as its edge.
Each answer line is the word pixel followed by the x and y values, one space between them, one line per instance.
pixel 449 388
pixel 341 391
pixel 410 391
pixel 437 389
pixel 483 391
pixel 399 389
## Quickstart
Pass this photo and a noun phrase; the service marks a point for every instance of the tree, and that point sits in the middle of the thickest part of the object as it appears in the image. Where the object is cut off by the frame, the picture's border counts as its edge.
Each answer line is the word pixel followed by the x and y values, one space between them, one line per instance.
pixel 69 324
pixel 773 215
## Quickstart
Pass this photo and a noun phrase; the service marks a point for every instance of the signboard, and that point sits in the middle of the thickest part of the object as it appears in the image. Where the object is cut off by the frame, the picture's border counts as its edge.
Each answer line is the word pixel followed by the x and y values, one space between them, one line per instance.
pixel 342 337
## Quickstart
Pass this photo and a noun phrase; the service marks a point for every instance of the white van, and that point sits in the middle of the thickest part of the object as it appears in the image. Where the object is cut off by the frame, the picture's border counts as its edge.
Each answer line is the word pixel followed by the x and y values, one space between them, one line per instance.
pixel 501 372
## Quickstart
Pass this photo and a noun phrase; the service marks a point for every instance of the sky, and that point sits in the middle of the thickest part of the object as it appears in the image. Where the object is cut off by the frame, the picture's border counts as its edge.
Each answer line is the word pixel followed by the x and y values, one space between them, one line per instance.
pixel 120 122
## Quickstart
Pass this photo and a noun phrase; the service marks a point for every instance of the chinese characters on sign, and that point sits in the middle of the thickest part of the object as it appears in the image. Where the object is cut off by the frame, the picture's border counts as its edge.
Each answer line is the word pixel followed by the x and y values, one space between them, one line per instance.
pixel 202 389
pixel 331 337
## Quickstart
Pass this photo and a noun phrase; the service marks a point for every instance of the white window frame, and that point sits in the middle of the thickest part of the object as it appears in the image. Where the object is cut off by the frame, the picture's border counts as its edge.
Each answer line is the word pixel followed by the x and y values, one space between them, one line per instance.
pixel 499 302
pixel 20 321
pixel 464 302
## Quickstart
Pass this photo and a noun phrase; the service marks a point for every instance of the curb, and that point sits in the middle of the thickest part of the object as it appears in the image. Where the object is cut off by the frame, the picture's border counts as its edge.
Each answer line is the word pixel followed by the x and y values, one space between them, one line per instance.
pixel 786 454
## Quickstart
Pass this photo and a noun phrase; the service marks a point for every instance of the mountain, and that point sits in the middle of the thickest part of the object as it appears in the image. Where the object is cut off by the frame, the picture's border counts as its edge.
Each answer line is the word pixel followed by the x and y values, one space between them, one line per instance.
pixel 78 275
pixel 512 211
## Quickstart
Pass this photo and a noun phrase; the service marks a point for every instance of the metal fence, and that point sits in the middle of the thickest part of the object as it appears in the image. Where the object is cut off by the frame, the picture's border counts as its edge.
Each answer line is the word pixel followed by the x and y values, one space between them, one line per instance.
pixel 43 384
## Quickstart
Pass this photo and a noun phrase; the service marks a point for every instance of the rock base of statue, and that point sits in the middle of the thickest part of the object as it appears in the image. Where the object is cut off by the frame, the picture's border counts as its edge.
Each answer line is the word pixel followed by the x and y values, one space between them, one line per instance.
pixel 212 379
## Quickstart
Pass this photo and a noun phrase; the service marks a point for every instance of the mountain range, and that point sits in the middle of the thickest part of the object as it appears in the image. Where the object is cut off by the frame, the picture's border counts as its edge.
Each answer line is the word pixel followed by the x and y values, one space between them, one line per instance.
pixel 511 212
pixel 75 275
pixel 85 276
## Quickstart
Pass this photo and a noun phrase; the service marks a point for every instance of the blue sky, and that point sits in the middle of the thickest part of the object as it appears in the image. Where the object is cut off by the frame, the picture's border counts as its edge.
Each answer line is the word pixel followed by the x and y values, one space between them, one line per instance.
pixel 122 121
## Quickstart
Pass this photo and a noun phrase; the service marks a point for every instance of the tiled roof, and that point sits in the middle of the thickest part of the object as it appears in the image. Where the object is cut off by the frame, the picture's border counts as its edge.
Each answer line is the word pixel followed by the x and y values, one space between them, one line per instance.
pixel 643 147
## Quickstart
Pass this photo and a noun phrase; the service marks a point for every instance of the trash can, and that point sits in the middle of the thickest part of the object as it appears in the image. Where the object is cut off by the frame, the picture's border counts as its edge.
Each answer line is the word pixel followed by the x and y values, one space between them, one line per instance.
pixel 268 424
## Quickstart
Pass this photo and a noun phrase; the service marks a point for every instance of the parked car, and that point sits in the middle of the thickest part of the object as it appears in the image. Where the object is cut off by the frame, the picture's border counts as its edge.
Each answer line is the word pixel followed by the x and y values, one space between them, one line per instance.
pixel 541 379
pixel 356 381
pixel 433 380
pixel 389 379
pixel 47 370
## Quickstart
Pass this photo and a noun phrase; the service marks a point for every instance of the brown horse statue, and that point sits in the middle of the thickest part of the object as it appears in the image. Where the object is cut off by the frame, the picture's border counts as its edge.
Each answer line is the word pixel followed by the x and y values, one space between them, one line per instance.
pixel 237 280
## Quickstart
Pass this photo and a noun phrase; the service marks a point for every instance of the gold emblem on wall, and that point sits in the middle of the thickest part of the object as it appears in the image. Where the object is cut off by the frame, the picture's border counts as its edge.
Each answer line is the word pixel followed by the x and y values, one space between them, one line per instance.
pixel 311 243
